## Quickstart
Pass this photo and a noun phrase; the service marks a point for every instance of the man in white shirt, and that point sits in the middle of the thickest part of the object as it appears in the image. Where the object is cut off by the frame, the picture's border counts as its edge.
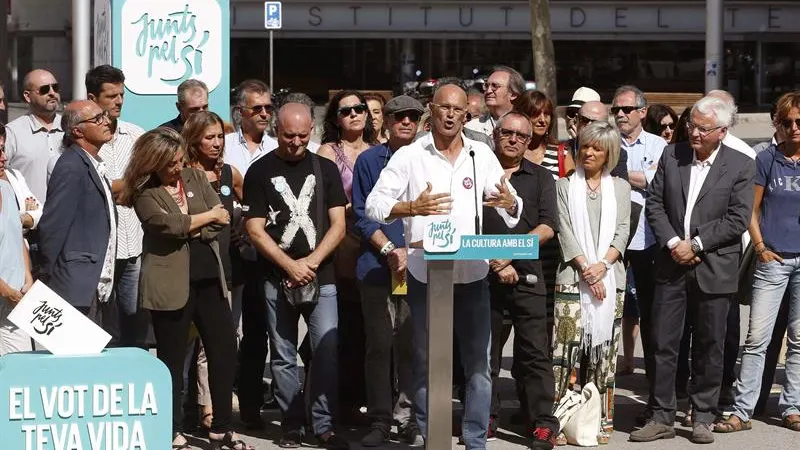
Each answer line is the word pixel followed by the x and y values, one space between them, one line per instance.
pixel 500 90
pixel 434 176
pixel 105 86
pixel 252 115
pixel 629 109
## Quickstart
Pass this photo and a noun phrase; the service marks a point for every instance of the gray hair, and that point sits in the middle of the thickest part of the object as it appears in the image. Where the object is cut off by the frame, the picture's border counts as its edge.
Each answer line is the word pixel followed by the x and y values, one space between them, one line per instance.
pixel 712 105
pixel 301 98
pixel 602 135
pixel 641 101
pixel 188 86
pixel 244 89
pixel 516 83
pixel 70 119
pixel 726 97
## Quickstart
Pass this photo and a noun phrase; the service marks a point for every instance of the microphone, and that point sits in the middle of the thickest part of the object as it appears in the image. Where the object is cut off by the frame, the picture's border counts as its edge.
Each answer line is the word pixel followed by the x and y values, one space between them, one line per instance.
pixel 475 186
pixel 529 279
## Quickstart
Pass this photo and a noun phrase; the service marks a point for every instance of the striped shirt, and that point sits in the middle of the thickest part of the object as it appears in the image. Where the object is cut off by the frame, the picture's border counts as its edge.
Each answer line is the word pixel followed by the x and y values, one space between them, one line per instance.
pixel 116 154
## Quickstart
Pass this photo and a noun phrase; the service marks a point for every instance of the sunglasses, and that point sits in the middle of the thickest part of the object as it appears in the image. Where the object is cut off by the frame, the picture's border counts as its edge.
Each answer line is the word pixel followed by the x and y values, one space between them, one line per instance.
pixel 787 123
pixel 412 116
pixel 258 109
pixel 45 89
pixel 98 119
pixel 583 120
pixel 508 134
pixel 625 109
pixel 664 126
pixel 571 113
pixel 493 86
pixel 346 110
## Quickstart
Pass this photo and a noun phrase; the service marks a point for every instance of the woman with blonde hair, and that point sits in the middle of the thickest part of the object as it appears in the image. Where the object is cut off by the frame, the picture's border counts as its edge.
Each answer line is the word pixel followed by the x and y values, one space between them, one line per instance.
pixel 594 223
pixel 182 279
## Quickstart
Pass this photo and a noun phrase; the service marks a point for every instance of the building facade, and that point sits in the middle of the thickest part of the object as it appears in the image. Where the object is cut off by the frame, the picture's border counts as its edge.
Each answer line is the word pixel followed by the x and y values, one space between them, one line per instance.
pixel 371 44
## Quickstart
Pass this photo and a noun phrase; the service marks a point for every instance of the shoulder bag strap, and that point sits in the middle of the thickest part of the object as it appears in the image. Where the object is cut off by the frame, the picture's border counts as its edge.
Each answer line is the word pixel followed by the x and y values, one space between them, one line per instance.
pixel 561 170
pixel 318 193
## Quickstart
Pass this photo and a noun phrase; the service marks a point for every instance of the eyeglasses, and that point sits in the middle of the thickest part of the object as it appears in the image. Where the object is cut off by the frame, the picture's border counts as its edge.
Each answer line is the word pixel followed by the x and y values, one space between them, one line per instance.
pixel 456 110
pixel 625 109
pixel 493 86
pixel 787 123
pixel 508 134
pixel 45 89
pixel 571 113
pixel 412 116
pixel 583 120
pixel 664 126
pixel 346 110
pixel 98 119
pixel 690 127
pixel 258 109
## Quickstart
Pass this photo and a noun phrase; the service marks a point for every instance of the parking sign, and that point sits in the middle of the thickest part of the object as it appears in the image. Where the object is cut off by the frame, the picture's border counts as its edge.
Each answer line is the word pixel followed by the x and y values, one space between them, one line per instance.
pixel 272 15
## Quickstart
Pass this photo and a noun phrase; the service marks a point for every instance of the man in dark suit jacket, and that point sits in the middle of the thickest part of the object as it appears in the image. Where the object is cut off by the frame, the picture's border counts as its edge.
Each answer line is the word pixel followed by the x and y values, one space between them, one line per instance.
pixel 78 225
pixel 699 204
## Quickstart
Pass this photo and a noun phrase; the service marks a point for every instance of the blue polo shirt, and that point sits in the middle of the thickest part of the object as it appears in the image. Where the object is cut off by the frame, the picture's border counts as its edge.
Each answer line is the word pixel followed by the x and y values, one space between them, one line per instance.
pixel 371 267
pixel 780 206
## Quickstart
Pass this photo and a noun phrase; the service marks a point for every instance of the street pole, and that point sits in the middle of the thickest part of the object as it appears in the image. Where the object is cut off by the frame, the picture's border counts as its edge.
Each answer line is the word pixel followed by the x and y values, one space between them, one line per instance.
pixel 81 45
pixel 271 81
pixel 714 44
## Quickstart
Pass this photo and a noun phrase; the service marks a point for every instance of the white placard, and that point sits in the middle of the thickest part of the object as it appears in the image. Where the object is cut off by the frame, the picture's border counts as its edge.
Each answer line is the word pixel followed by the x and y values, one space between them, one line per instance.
pixel 443 233
pixel 56 325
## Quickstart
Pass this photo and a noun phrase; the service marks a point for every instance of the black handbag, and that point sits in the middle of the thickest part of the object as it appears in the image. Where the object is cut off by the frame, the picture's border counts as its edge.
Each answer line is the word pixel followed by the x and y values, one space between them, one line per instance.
pixel 308 294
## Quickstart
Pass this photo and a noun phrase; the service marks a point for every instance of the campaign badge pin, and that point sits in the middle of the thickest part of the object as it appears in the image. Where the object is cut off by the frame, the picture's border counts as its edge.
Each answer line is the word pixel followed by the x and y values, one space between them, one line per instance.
pixel 467 183
pixel 190 194
pixel 280 187
pixel 225 190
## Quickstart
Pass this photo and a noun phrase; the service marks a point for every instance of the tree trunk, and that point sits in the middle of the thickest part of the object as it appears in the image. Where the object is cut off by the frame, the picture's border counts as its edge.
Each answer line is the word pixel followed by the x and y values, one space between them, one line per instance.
pixel 544 65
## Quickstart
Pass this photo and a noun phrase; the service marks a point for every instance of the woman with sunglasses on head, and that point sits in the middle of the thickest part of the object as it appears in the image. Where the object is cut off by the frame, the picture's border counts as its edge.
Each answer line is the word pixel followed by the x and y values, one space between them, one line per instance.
pixel 205 141
pixel 376 103
pixel 774 229
pixel 661 121
pixel 182 279
pixel 347 132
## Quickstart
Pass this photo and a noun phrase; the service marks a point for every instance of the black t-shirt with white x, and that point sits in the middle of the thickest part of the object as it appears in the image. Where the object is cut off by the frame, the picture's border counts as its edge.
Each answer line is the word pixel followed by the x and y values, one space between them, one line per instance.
pixel 283 192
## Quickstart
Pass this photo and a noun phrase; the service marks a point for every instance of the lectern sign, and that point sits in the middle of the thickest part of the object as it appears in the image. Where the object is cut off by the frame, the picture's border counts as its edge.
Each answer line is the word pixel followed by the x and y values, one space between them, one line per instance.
pixel 443 241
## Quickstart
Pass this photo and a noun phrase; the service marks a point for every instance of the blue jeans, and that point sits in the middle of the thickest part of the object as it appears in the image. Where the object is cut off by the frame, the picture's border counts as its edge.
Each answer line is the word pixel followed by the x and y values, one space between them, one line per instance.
pixel 322 320
pixel 770 282
pixel 472 326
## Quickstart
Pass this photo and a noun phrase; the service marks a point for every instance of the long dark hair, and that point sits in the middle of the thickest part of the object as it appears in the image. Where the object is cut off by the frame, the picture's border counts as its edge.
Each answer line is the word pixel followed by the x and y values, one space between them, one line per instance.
pixel 533 103
pixel 681 133
pixel 330 126
pixel 655 114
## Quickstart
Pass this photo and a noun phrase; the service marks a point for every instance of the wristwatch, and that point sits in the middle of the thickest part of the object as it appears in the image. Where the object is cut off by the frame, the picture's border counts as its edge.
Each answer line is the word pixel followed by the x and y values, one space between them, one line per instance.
pixel 606 264
pixel 387 248
pixel 696 246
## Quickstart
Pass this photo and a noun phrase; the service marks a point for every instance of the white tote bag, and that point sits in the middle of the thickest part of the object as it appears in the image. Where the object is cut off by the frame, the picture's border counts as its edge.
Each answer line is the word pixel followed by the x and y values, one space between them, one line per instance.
pixel 583 426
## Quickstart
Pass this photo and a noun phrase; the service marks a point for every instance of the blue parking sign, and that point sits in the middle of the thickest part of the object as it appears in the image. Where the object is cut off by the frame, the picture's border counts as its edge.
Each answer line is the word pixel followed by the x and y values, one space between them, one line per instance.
pixel 272 15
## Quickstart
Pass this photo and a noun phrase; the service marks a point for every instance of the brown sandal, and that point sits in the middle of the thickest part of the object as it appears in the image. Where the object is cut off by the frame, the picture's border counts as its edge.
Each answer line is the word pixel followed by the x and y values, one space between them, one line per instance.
pixel 732 424
pixel 792 422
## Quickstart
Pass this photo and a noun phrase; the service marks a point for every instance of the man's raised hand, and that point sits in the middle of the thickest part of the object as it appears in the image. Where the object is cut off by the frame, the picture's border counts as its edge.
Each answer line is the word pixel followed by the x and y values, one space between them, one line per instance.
pixel 428 204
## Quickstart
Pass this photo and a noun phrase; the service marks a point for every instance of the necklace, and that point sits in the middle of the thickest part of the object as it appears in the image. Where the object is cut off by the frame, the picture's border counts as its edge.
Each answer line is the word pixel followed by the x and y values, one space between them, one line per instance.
pixel 177 194
pixel 592 191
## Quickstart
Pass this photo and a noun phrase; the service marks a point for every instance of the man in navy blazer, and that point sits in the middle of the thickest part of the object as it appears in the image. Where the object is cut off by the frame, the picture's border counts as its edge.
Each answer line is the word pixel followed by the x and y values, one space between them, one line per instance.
pixel 78 225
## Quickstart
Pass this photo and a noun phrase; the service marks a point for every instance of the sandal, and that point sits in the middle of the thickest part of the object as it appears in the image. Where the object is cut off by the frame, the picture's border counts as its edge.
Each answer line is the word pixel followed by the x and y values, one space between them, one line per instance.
pixel 205 425
pixel 229 443
pixel 561 439
pixel 792 422
pixel 184 446
pixel 733 424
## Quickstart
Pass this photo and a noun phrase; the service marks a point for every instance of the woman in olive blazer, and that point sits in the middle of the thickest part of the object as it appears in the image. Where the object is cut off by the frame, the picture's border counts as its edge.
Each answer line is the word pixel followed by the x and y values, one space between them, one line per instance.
pixel 182 279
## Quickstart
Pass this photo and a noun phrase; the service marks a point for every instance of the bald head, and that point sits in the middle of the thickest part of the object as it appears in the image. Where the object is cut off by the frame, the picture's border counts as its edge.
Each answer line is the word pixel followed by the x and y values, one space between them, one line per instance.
pixel 41 94
pixel 594 110
pixel 450 92
pixel 85 123
pixel 448 111
pixel 293 131
pixel 36 78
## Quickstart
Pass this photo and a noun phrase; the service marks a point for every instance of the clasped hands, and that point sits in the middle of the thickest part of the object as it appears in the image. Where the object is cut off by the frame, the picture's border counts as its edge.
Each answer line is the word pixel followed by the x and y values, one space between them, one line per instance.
pixel 593 275
pixel 684 255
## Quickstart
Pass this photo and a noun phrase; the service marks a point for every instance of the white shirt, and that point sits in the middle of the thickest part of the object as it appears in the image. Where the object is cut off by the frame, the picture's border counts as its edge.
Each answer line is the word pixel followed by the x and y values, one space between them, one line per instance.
pixel 106 283
pixel 239 155
pixel 23 192
pixel 406 176
pixel 738 145
pixel 697 178
pixel 117 154
pixel 29 146
pixel 483 124
pixel 643 156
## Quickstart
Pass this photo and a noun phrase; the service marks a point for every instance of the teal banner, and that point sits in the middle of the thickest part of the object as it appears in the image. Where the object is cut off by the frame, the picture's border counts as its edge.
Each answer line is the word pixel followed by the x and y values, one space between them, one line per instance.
pixel 491 246
pixel 118 399
pixel 159 44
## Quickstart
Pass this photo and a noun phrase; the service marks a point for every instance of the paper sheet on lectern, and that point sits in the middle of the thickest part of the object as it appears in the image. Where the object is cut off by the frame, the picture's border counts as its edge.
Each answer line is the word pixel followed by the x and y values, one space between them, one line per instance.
pixel 56 325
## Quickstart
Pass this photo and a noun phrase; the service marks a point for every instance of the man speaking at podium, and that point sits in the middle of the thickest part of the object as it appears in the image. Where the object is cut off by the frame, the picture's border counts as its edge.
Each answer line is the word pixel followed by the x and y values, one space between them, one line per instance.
pixel 440 173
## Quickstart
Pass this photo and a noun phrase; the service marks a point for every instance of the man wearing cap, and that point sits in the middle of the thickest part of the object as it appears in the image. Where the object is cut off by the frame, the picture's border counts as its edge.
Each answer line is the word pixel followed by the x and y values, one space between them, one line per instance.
pixel 379 269
pixel 581 96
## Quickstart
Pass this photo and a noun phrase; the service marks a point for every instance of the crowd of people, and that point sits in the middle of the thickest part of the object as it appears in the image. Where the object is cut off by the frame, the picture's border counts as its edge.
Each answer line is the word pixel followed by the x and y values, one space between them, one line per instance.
pixel 219 236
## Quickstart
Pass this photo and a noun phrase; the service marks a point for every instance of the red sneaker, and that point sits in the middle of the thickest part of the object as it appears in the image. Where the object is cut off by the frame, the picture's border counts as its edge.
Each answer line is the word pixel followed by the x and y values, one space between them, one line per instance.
pixel 543 438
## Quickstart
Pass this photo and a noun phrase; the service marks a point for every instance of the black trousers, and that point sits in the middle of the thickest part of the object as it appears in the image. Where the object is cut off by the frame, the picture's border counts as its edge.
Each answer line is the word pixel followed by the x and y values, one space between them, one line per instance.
pixel 210 312
pixel 642 263
pixel 532 367
pixel 254 346
pixel 352 390
pixel 731 354
pixel 709 315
